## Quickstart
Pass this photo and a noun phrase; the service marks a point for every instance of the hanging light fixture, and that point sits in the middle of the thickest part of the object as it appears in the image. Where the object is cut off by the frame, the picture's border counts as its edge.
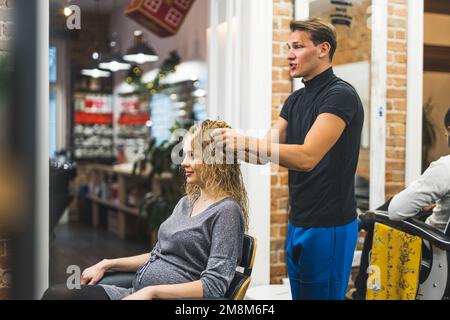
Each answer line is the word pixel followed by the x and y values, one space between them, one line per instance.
pixel 92 70
pixel 95 73
pixel 114 62
pixel 140 52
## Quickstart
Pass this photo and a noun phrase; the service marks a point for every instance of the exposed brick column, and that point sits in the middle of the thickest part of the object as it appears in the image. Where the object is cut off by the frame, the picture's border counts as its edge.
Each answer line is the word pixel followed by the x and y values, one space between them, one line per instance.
pixel 283 11
pixel 396 96
pixel 4 270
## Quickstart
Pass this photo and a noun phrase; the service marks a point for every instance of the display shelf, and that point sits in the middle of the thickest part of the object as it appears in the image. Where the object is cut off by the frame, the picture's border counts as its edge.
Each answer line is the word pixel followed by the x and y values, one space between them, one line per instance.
pixel 93 131
pixel 132 126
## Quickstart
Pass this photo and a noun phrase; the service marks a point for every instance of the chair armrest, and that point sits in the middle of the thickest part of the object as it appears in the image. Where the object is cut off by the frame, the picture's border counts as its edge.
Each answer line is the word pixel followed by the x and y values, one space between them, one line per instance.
pixel 119 279
pixel 413 227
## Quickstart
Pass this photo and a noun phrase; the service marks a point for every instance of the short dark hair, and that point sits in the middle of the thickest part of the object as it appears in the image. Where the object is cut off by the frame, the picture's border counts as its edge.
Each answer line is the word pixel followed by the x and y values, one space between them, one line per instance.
pixel 447 119
pixel 319 30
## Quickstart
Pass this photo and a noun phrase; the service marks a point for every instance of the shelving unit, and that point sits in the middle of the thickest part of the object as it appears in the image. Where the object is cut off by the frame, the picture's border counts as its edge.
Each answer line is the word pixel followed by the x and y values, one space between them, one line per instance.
pixel 93 135
pixel 116 199
pixel 132 126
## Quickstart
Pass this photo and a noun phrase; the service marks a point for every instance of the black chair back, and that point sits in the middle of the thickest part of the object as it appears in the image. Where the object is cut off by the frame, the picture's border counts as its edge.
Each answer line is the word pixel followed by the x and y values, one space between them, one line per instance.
pixel 241 280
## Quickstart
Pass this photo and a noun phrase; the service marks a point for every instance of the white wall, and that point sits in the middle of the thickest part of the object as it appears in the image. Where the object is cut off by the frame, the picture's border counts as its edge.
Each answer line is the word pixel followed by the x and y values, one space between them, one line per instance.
pixel 61 93
pixel 41 245
pixel 240 91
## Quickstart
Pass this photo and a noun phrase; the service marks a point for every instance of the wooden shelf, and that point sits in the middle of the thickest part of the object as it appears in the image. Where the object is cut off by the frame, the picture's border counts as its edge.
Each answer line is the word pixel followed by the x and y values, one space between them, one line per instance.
pixel 121 217
pixel 119 207
pixel 121 169
pixel 120 214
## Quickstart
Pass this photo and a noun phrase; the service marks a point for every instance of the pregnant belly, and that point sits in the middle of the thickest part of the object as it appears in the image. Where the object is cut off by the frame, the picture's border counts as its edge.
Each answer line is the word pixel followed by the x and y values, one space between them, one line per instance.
pixel 160 272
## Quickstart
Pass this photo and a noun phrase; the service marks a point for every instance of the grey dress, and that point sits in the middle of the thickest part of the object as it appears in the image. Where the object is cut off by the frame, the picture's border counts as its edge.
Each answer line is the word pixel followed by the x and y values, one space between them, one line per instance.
pixel 205 247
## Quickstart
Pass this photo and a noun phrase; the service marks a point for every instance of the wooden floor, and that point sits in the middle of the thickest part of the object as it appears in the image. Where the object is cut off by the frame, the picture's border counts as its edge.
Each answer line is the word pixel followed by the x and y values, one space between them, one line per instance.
pixel 82 245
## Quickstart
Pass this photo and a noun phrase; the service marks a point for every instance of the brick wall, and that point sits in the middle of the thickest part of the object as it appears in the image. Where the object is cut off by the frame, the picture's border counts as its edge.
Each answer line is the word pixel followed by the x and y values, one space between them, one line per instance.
pixel 396 96
pixel 283 11
pixel 4 270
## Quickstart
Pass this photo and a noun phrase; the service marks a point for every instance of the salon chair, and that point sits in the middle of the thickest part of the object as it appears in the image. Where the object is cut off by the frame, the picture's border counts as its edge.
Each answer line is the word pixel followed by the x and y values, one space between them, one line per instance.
pixel 237 288
pixel 434 280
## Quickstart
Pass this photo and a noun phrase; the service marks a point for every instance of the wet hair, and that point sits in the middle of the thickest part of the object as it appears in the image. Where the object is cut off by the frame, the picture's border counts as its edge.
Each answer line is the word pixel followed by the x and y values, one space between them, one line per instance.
pixel 222 178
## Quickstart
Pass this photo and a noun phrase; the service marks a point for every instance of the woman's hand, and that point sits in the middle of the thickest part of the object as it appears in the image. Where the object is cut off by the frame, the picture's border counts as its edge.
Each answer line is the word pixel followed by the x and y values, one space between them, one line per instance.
pixel 94 274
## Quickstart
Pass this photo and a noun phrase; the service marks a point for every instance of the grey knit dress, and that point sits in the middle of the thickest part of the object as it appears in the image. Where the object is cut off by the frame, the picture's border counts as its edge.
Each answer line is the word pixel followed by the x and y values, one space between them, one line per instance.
pixel 205 247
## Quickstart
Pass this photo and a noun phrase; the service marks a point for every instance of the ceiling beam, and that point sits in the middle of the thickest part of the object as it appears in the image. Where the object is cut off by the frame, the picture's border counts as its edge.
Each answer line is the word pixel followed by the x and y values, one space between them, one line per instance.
pixel 436 58
pixel 437 6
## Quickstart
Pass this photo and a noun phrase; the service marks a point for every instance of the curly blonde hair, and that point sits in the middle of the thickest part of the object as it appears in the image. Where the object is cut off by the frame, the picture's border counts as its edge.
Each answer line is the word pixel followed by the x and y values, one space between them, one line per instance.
pixel 221 178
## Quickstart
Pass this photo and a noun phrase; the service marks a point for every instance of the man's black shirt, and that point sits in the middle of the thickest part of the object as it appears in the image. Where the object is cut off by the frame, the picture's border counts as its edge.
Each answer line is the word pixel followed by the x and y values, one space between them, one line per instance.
pixel 325 196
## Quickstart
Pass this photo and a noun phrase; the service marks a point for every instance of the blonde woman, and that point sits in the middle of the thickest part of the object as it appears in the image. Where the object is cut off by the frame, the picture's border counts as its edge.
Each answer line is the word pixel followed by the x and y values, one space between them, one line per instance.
pixel 198 245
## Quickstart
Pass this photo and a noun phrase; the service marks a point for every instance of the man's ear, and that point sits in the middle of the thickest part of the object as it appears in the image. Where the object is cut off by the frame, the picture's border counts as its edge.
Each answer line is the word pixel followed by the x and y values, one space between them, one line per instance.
pixel 325 48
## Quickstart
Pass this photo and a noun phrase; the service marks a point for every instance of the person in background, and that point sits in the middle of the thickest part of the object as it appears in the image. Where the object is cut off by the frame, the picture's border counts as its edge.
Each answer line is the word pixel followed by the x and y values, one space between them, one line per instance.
pixel 431 190
pixel 428 198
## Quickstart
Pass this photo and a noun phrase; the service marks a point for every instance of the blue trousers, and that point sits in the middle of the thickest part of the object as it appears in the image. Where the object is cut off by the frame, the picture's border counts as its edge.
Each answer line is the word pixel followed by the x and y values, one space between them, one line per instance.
pixel 319 261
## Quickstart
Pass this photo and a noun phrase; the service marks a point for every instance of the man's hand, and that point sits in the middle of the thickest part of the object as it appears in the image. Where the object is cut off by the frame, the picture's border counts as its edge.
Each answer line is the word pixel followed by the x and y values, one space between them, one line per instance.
pixel 229 138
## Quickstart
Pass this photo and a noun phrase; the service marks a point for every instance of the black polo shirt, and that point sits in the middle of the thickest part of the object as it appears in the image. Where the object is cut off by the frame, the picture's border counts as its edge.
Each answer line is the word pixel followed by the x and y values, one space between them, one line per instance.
pixel 325 196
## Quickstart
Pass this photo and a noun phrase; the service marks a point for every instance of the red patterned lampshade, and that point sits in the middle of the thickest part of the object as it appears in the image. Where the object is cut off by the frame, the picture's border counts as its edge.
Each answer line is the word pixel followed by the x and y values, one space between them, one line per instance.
pixel 163 17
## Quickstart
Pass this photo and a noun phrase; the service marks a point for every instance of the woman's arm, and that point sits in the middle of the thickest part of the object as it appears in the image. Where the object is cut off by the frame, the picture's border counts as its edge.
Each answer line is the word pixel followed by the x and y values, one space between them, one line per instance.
pixel 94 274
pixel 129 264
pixel 192 289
